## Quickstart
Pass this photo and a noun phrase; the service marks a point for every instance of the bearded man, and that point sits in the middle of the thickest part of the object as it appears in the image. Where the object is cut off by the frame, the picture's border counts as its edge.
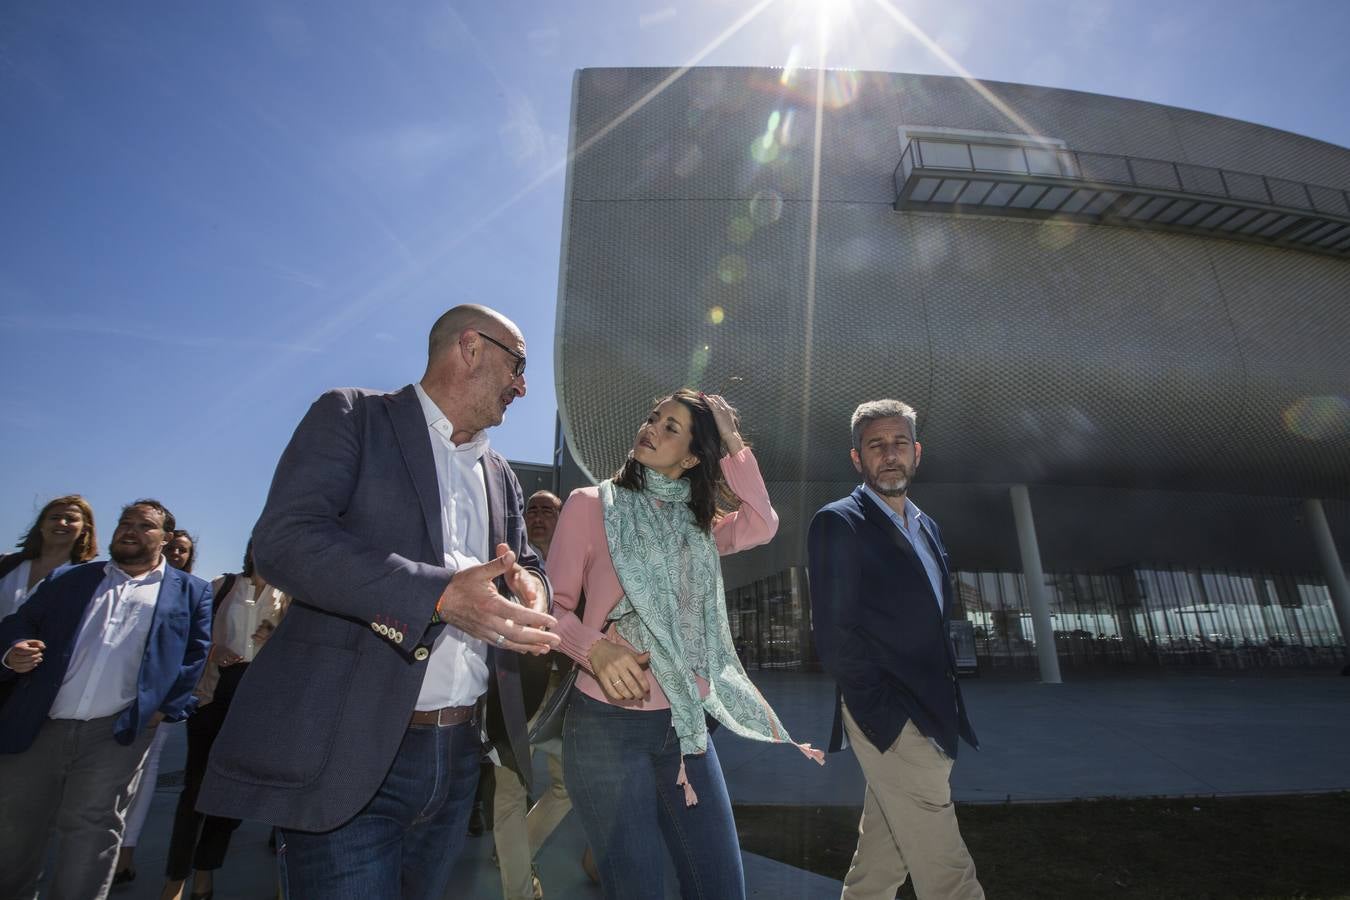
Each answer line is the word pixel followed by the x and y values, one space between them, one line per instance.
pixel 98 657
pixel 881 599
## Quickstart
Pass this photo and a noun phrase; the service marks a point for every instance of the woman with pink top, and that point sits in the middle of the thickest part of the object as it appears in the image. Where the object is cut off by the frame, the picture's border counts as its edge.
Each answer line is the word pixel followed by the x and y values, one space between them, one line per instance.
pixel 655 650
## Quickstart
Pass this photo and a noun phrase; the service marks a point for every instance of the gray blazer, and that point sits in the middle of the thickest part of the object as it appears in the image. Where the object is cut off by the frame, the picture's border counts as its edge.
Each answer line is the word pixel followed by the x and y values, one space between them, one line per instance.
pixel 352 531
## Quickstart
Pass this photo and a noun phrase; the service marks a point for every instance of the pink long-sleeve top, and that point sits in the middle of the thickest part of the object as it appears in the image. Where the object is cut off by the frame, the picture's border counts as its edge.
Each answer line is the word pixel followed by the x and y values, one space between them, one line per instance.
pixel 578 559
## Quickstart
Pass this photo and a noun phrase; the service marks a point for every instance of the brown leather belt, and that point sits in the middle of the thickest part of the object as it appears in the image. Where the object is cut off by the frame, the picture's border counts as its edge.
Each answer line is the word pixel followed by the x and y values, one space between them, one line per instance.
pixel 446 715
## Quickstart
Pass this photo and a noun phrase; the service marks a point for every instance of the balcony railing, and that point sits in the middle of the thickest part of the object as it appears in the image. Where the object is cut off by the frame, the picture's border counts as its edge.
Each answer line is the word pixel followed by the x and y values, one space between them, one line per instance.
pixel 1040 181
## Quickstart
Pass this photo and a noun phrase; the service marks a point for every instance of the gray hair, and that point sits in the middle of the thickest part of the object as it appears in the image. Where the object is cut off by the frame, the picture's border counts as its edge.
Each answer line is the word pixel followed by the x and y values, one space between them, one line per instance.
pixel 882 409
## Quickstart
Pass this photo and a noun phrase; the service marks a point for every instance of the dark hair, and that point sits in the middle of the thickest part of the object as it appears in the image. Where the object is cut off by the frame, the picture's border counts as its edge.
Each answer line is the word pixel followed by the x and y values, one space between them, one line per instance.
pixel 85 547
pixel 247 570
pixel 169 522
pixel 192 552
pixel 708 486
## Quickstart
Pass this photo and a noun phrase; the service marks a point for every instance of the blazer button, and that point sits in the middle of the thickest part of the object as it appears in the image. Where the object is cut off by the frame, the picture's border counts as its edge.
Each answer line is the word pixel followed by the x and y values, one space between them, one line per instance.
pixel 375 626
pixel 398 637
pixel 384 630
pixel 421 654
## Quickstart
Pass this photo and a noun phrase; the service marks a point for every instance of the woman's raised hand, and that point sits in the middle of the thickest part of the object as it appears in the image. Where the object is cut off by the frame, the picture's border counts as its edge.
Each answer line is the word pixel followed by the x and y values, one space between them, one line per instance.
pixel 727 425
pixel 621 672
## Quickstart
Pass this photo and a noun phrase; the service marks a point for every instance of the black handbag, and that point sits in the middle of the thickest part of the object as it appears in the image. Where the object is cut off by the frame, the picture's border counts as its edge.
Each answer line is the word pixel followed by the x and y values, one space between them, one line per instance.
pixel 548 722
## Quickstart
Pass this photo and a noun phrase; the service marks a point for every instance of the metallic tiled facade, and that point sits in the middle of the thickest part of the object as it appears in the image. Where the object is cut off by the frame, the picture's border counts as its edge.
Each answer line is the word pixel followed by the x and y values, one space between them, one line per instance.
pixel 1167 397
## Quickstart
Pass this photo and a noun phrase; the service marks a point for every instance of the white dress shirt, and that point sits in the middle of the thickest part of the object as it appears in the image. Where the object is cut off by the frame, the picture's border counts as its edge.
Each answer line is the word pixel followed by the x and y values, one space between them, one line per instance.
pixel 14 588
pixel 244 610
pixel 109 646
pixel 457 670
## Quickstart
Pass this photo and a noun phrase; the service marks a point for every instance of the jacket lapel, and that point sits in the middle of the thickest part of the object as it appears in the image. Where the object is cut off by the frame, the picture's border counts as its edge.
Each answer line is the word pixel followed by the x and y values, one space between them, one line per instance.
pixel 874 515
pixel 505 663
pixel 494 480
pixel 940 555
pixel 414 439
pixel 172 596
pixel 80 593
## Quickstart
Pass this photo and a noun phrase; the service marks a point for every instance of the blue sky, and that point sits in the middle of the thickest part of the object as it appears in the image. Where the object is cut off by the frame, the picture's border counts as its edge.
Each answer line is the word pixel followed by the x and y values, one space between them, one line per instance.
pixel 211 212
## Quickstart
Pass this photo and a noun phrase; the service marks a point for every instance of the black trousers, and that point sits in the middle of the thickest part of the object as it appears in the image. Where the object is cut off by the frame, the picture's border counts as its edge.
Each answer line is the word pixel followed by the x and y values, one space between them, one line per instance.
pixel 200 842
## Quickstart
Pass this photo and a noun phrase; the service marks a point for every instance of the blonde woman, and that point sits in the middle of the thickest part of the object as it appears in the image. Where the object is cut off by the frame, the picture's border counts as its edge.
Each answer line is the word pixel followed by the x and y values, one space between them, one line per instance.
pixel 63 535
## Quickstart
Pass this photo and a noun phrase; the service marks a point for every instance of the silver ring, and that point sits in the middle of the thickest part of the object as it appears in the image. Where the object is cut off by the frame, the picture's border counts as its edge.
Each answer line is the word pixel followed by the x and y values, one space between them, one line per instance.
pixel 616 682
pixel 501 639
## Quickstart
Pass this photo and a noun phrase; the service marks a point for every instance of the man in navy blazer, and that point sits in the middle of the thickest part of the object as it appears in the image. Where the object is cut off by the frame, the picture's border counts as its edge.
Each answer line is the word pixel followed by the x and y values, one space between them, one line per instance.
pixel 96 659
pixel 880 603
pixel 398 535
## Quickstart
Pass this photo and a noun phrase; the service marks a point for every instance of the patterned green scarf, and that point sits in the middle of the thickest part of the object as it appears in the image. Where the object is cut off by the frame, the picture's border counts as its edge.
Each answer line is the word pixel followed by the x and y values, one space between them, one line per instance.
pixel 674 607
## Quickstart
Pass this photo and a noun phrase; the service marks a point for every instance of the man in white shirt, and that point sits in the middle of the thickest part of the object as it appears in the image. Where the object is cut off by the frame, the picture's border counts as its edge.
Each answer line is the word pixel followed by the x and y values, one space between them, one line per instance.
pixel 100 655
pixel 398 534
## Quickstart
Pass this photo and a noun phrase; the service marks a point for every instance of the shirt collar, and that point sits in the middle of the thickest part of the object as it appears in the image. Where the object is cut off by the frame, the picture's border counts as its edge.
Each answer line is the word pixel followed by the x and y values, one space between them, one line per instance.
pixel 475 446
pixel 155 574
pixel 912 511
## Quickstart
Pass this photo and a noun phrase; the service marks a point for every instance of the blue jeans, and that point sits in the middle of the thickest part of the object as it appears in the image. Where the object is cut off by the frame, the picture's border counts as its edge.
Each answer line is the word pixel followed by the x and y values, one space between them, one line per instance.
pixel 620 767
pixel 405 841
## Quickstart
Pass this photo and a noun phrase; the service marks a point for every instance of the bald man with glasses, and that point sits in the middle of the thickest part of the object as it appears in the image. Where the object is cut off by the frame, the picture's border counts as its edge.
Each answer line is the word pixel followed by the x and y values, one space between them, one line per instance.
pixel 399 533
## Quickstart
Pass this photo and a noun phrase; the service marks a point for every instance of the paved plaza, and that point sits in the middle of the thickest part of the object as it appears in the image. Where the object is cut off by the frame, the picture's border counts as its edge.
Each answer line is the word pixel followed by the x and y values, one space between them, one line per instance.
pixel 1091 737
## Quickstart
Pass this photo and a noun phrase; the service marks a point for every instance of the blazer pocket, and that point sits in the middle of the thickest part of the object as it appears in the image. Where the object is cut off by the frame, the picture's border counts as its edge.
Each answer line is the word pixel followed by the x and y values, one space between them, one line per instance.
pixel 284 738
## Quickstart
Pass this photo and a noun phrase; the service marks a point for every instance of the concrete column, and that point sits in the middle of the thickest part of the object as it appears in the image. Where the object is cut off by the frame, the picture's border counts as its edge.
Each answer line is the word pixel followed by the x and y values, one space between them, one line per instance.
pixel 1199 599
pixel 1331 563
pixel 1035 581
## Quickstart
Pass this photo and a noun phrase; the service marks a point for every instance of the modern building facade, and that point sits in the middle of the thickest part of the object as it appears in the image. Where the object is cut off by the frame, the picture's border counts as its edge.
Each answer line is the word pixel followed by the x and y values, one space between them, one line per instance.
pixel 1124 326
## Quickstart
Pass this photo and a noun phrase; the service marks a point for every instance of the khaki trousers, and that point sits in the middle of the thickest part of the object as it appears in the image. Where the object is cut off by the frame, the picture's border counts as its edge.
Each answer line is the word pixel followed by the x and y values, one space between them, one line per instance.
pixel 908 826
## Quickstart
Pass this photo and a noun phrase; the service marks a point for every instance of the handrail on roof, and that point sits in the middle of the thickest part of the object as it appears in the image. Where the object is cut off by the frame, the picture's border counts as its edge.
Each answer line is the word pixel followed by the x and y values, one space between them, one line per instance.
pixel 1106 168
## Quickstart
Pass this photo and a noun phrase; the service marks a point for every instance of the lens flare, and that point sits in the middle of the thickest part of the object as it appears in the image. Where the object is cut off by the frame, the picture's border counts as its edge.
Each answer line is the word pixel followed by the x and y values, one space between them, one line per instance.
pixel 689 161
pixel 740 230
pixel 716 315
pixel 1318 418
pixel 764 150
pixel 698 364
pixel 732 269
pixel 766 207
pixel 790 67
pixel 841 88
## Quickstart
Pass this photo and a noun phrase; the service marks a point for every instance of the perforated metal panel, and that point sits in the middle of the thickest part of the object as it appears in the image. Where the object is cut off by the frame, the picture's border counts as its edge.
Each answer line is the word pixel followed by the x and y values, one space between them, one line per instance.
pixel 1095 363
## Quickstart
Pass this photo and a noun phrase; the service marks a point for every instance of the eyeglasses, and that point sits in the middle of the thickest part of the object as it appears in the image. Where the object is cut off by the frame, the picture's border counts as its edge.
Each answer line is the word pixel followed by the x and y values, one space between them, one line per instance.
pixel 519 369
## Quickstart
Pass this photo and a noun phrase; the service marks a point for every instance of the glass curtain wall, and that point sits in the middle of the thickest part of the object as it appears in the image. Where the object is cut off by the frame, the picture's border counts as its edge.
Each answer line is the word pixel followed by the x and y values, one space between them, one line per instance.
pixel 771 622
pixel 1149 617
pixel 1161 617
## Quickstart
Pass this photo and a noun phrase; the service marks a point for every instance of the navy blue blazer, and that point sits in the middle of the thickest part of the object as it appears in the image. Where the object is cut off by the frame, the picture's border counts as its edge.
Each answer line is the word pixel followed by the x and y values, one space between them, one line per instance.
pixel 175 652
pixel 352 532
pixel 878 628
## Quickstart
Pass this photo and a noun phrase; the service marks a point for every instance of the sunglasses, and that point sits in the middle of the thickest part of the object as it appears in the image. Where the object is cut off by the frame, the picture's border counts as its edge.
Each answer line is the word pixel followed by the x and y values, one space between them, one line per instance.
pixel 519 368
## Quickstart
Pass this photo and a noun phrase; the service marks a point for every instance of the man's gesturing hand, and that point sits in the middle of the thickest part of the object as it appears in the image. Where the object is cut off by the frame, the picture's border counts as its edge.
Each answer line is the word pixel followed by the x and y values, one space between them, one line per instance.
pixel 25 655
pixel 472 604
pixel 524 584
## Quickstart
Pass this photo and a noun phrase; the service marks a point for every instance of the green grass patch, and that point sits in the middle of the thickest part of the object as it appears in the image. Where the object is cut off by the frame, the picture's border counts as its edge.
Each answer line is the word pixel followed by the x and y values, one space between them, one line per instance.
pixel 1267 847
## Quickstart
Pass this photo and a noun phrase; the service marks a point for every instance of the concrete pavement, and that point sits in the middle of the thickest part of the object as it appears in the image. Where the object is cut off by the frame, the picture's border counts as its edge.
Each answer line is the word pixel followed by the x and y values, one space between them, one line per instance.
pixel 1090 737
